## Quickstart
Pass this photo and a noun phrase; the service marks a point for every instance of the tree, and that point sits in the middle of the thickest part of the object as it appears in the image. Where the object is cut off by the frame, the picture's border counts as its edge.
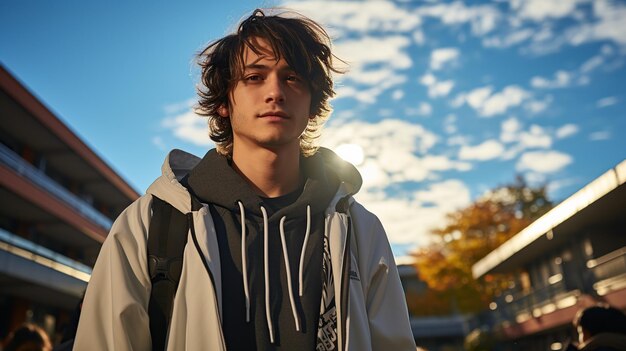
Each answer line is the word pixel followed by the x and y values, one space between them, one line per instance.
pixel 469 235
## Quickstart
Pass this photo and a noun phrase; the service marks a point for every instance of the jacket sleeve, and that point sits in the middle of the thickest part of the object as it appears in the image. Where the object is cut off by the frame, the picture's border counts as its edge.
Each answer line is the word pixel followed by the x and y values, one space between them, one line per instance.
pixel 385 302
pixel 114 313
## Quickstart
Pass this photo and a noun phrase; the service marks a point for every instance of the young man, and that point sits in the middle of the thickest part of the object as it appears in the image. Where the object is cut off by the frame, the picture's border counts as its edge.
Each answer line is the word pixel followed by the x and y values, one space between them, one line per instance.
pixel 279 255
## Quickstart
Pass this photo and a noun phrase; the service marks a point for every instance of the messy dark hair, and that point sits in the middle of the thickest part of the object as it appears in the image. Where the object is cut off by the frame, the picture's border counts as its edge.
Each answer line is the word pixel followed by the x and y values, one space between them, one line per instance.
pixel 601 319
pixel 300 41
pixel 28 334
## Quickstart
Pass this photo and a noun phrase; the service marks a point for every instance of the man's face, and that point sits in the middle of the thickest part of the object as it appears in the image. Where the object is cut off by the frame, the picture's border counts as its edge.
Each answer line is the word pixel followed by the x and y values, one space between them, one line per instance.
pixel 270 105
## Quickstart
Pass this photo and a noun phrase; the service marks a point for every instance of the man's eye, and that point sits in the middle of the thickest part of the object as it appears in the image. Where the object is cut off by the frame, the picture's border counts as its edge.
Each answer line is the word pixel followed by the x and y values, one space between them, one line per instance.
pixel 253 78
pixel 293 78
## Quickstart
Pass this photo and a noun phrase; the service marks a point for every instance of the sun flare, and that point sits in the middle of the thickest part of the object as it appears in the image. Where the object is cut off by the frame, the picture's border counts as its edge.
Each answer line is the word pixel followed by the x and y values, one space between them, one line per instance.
pixel 351 152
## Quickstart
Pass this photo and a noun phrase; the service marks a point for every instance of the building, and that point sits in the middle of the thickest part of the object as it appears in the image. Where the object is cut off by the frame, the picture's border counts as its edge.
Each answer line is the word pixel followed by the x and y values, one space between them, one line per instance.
pixel 434 333
pixel 58 201
pixel 572 257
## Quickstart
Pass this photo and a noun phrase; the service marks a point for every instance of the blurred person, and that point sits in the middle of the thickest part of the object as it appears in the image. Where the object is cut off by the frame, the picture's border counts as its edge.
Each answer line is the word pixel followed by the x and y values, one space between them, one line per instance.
pixel 278 254
pixel 600 328
pixel 28 337
pixel 69 332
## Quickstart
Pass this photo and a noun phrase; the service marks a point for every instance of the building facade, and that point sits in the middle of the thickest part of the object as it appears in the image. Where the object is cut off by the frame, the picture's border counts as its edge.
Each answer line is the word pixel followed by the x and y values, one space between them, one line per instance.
pixel 571 258
pixel 58 199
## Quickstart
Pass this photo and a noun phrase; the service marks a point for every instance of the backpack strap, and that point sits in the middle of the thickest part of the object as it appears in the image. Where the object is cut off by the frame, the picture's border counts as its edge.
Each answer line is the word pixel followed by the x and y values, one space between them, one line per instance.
pixel 167 237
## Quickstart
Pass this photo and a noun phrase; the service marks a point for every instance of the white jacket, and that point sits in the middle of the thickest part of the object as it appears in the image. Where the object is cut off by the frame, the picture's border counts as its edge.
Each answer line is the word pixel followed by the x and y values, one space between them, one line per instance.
pixel 371 313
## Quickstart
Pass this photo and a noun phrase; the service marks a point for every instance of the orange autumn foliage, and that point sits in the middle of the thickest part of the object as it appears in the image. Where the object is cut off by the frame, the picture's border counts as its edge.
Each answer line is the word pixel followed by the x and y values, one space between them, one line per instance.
pixel 468 235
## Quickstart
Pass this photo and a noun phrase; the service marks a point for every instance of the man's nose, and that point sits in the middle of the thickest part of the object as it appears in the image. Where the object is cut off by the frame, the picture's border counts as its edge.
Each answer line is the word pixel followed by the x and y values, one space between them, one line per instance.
pixel 275 90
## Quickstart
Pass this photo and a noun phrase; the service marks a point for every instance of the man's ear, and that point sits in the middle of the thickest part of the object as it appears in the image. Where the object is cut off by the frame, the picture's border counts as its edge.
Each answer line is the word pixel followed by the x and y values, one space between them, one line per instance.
pixel 223 111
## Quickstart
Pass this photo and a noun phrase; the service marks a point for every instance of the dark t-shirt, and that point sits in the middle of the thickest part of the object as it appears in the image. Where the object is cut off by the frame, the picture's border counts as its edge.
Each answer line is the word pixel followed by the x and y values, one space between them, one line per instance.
pixel 254 335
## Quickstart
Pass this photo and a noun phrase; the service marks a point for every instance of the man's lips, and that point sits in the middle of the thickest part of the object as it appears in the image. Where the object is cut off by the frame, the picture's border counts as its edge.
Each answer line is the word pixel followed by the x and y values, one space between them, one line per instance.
pixel 279 114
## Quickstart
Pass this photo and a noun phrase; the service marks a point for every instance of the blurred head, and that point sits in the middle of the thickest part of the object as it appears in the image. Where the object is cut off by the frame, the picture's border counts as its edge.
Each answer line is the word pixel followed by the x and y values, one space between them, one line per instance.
pixel 303 44
pixel 599 319
pixel 28 337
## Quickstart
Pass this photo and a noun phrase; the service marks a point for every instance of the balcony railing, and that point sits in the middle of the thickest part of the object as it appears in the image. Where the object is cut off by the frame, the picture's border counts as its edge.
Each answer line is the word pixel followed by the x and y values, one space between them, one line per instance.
pixel 27 249
pixel 28 171
pixel 519 306
pixel 609 271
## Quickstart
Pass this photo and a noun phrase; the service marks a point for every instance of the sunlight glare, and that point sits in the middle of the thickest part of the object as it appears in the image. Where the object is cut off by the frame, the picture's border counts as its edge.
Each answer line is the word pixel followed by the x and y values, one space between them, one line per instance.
pixel 351 152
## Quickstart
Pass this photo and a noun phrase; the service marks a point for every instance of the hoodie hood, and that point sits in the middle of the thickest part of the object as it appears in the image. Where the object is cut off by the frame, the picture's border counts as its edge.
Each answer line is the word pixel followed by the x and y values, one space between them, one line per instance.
pixel 327 176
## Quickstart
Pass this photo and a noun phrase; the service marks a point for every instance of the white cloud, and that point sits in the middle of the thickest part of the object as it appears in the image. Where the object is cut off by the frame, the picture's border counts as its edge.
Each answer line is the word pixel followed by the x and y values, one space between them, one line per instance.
pixel 513 38
pixel 487 150
pixel 179 107
pixel 370 76
pixel 562 79
pixel 387 50
pixel 394 151
pixel 441 88
pixel 458 140
pixel 577 77
pixel 418 37
pixel 389 134
pixel 487 104
pixel 482 18
pixel 535 137
pixel 477 97
pixel 592 63
pixel 411 219
pixel 501 102
pixel 539 10
pixel 555 185
pixel 436 88
pixel 546 26
pixel 360 17
pixel 600 135
pixel 158 142
pixel 443 56
pixel 398 153
pixel 538 106
pixel 607 101
pixel 449 124
pixel 425 109
pixel 543 161
pixel 566 131
pixel 512 133
pixel 372 70
pixel 510 130
pixel 369 95
pixel 189 127
pixel 397 94
pixel 609 25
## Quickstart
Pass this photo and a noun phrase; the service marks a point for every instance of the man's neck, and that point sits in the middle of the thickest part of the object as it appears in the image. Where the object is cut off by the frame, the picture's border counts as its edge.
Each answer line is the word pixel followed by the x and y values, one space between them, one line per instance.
pixel 271 173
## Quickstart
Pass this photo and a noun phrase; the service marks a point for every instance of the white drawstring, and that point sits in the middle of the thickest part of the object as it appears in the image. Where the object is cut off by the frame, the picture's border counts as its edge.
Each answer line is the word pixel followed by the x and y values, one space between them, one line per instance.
pixel 244 259
pixel 244 263
pixel 306 240
pixel 266 269
pixel 288 268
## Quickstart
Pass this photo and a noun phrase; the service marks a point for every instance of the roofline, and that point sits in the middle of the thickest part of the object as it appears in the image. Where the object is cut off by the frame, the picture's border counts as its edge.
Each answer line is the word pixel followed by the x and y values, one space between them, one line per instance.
pixel 33 105
pixel 593 191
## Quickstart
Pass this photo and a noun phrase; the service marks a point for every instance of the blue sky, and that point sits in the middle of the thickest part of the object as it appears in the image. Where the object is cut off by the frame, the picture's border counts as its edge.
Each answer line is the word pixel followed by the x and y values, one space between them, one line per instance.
pixel 443 100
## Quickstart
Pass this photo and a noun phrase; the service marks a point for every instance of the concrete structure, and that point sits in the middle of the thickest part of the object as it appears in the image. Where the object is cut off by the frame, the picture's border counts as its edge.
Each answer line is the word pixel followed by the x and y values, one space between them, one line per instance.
pixel 572 257
pixel 436 333
pixel 58 201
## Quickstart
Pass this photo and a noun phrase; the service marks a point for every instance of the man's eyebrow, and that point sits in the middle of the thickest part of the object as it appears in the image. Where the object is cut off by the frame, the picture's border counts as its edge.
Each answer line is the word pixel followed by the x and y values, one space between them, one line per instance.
pixel 262 67
pixel 256 66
